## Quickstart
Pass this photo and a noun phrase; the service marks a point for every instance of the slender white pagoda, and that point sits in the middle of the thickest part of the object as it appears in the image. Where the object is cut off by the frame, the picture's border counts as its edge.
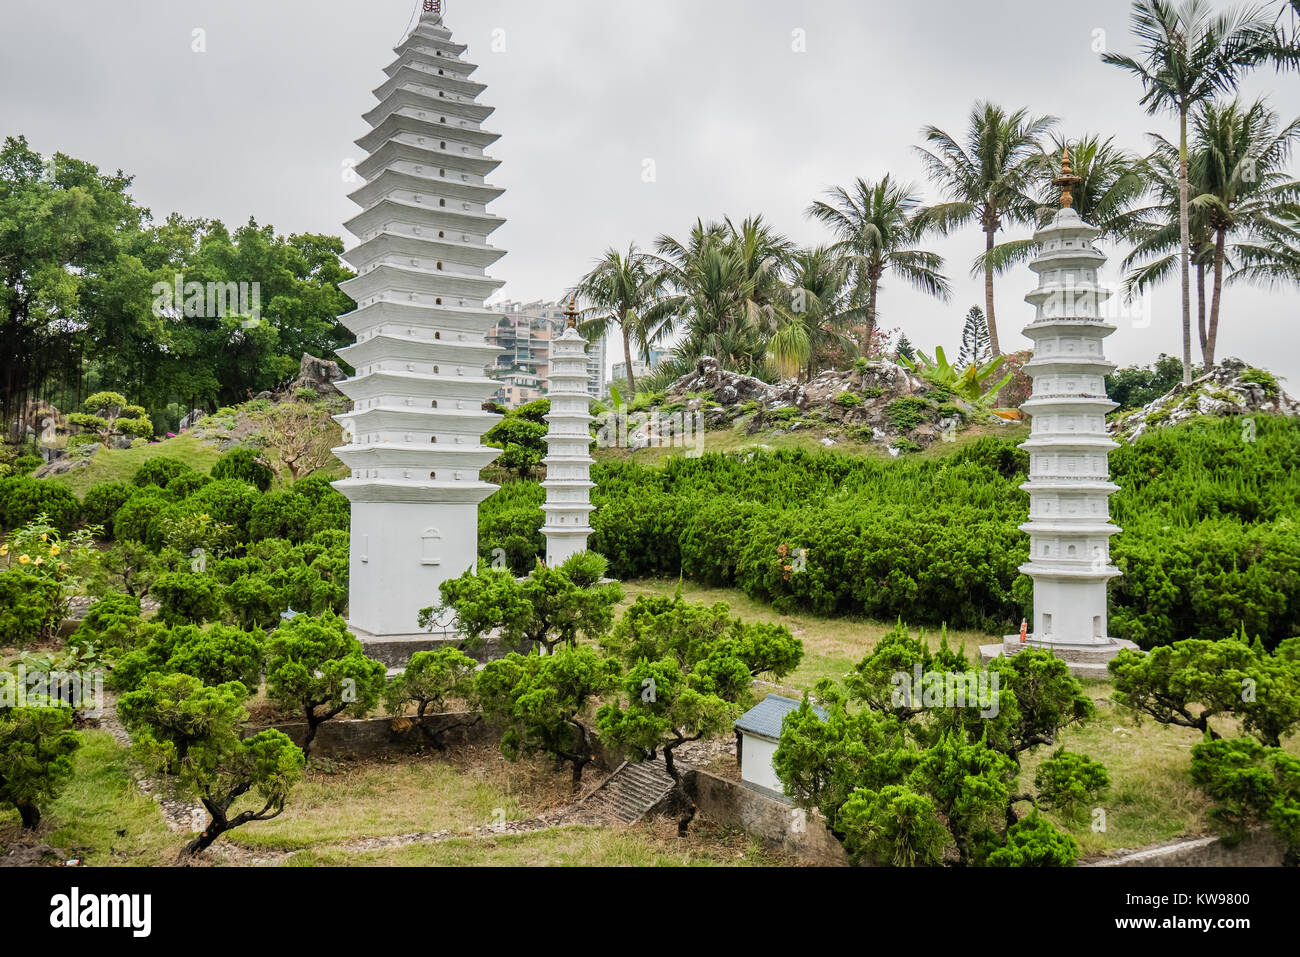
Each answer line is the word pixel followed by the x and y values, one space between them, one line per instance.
pixel 568 460
pixel 1069 483
pixel 414 434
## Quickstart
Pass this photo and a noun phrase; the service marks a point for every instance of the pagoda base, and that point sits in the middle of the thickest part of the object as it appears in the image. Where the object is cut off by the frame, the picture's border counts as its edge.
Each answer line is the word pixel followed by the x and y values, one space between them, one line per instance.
pixel 1085 659
pixel 395 651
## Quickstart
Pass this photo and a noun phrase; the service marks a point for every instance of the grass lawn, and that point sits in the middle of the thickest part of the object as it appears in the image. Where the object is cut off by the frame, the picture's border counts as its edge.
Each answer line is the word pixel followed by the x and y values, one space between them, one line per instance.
pixel 406 795
pixel 101 816
pixel 118 465
pixel 650 844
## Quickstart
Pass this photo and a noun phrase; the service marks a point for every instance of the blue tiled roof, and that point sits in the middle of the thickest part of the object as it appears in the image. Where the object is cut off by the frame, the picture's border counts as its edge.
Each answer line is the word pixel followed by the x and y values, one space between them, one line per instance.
pixel 764 719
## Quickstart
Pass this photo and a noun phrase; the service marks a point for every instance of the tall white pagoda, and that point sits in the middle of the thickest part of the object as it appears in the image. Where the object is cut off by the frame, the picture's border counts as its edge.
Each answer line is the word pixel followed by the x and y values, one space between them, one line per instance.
pixel 1069 483
pixel 414 434
pixel 568 460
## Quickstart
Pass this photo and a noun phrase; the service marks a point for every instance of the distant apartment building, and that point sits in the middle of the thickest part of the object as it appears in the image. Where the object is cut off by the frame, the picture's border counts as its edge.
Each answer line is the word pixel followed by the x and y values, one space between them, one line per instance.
pixel 640 367
pixel 524 333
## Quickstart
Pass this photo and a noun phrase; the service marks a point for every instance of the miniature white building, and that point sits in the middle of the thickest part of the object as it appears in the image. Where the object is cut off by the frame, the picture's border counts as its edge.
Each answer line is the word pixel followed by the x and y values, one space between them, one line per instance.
pixel 568 460
pixel 1069 479
pixel 758 732
pixel 414 434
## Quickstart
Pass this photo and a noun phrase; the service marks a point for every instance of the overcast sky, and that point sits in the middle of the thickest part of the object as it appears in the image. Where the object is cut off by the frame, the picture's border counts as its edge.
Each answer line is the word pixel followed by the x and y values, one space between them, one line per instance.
pixel 714 92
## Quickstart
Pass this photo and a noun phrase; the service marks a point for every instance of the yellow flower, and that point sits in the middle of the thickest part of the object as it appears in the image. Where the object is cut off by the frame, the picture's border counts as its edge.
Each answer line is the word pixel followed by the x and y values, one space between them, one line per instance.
pixel 54 549
pixel 24 560
pixel 45 536
pixel 40 561
pixel 4 550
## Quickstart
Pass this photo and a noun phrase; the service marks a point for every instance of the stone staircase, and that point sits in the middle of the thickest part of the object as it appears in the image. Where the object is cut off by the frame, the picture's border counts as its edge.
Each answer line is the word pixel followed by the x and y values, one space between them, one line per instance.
pixel 630 792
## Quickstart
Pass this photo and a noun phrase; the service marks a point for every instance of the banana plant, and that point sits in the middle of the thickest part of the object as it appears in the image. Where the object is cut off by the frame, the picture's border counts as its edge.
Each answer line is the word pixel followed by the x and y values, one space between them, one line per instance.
pixel 970 383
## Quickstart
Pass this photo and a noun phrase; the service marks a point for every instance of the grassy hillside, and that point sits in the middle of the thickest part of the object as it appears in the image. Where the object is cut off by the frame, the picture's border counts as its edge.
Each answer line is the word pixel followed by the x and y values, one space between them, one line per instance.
pixel 118 465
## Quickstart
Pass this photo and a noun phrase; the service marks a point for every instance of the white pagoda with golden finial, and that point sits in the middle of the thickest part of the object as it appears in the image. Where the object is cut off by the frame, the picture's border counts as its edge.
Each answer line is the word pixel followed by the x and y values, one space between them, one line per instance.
pixel 1069 482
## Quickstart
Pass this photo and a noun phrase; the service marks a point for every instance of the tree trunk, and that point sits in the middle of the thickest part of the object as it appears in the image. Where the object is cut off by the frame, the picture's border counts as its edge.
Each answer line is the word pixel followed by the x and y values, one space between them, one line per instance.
pixel 1184 244
pixel 627 357
pixel 30 814
pixel 1220 240
pixel 988 297
pixel 1200 304
pixel 873 285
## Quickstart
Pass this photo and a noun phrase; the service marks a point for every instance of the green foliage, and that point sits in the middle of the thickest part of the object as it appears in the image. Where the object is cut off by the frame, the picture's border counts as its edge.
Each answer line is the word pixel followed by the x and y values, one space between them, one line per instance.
pixel 895 826
pixel 1135 386
pixel 246 465
pixel 216 655
pixel 23 499
pixel 542 702
pixel 972 382
pixel 429 679
pixel 907 412
pixel 184 597
pixel 1250 784
pixel 546 609
pixel 111 625
pixel 185 728
pixel 1068 781
pixel 1034 842
pixel 316 667
pixel 160 471
pixel 28 606
pixel 107 416
pixel 101 503
pixel 36 747
pixel 132 519
pixel 1265 380
pixel 1191 682
pixel 848 400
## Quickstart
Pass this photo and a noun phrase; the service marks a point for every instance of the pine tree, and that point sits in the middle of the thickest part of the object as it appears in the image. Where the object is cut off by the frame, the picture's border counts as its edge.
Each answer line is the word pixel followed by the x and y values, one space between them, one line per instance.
pixel 904 349
pixel 975 346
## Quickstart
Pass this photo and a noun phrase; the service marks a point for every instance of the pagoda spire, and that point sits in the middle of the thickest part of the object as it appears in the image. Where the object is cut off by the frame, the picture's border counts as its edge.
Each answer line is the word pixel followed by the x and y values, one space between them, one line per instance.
pixel 1066 180
pixel 414 435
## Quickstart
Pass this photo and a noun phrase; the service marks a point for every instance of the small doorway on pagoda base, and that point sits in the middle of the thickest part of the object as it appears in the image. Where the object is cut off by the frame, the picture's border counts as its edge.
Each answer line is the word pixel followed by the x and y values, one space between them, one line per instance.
pixel 1046 628
pixel 431 547
pixel 1096 626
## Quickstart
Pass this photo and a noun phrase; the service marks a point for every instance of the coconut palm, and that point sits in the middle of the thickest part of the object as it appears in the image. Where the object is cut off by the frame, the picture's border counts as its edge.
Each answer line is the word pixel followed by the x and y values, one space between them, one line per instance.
pixel 727 289
pixel 623 290
pixel 879 226
pixel 988 179
pixel 1249 196
pixel 822 305
pixel 1189 55
pixel 1156 234
pixel 1112 184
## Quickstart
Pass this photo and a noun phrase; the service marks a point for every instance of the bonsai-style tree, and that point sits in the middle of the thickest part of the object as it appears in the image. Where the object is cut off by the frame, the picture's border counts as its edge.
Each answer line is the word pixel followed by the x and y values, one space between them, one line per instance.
pixel 430 678
pixel 522 441
pixel 107 416
pixel 542 701
pixel 690 670
pixel 1068 781
pixel 1251 783
pixel 218 655
pixel 1191 682
pixel 551 607
pixel 188 729
pixel 1034 842
pixel 36 747
pixel 316 667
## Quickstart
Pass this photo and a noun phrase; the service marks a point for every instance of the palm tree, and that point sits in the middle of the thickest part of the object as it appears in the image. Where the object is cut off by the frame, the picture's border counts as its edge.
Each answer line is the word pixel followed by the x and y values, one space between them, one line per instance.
pixel 879 225
pixel 1241 158
pixel 1156 234
pixel 821 306
pixel 727 288
pixel 1190 55
pixel 623 290
pixel 987 179
pixel 1112 183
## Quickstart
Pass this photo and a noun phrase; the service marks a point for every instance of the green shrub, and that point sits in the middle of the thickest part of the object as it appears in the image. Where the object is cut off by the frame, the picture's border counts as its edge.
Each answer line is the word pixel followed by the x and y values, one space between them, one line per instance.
pixel 131 521
pixel 184 598
pixel 1265 380
pixel 246 465
pixel 23 499
pixel 907 412
pixel 26 464
pixel 159 471
pixel 848 400
pixel 101 503
pixel 281 515
pixel 185 484
pixel 29 606
pixel 112 624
